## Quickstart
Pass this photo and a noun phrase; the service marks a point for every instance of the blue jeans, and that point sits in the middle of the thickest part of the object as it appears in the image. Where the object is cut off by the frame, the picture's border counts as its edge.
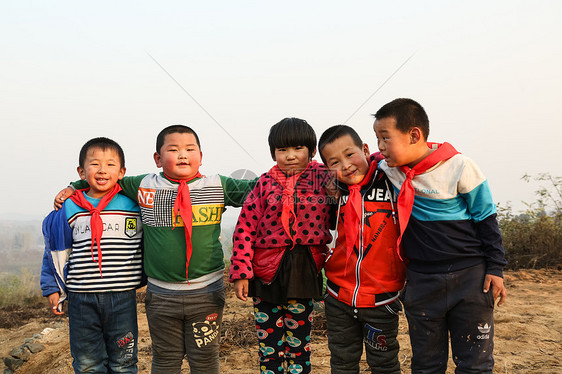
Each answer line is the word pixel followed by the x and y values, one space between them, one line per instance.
pixel 103 331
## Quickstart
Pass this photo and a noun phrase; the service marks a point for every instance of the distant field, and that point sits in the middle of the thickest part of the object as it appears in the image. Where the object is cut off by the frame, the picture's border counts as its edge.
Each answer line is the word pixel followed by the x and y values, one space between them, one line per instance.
pixel 14 262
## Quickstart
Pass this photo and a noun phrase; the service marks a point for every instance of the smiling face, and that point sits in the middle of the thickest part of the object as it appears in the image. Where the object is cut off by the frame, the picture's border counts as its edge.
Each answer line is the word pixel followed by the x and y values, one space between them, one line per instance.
pixel 292 160
pixel 102 170
pixel 180 156
pixel 349 161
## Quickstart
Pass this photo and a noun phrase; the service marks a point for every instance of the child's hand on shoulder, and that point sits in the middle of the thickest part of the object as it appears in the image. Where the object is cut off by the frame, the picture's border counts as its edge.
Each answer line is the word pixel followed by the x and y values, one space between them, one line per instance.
pixel 241 289
pixel 62 196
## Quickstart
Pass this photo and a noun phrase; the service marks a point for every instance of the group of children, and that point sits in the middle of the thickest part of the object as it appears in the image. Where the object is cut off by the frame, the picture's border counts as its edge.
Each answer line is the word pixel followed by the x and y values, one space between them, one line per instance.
pixel 413 225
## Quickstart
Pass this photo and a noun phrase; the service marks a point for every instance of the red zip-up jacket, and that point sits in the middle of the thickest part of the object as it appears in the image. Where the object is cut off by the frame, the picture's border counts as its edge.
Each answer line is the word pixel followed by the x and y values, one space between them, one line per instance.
pixel 373 274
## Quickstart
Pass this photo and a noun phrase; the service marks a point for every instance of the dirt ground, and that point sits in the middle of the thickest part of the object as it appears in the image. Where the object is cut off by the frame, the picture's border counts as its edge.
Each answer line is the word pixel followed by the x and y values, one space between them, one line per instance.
pixel 528 334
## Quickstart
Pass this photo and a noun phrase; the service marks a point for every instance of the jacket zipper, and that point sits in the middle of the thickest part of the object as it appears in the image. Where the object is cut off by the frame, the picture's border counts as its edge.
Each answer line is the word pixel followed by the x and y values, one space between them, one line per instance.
pixel 359 256
pixel 360 253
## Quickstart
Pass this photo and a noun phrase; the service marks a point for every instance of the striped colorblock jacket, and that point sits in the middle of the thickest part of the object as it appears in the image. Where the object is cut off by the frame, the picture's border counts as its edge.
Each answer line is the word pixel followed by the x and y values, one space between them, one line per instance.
pixel 453 224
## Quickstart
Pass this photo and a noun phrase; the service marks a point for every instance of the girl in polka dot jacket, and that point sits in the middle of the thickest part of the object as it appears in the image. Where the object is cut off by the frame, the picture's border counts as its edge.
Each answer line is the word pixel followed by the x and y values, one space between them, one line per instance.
pixel 280 243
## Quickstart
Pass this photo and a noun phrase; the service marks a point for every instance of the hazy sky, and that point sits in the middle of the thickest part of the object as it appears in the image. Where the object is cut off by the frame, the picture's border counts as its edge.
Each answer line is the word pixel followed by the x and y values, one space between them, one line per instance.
pixel 489 74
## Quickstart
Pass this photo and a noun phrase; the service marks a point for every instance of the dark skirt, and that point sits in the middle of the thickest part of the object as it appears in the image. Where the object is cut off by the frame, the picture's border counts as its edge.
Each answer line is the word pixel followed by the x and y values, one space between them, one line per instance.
pixel 296 278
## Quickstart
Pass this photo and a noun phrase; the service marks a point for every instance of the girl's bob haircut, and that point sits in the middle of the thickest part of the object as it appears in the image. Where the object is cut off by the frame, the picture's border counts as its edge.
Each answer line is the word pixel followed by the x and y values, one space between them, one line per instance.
pixel 292 132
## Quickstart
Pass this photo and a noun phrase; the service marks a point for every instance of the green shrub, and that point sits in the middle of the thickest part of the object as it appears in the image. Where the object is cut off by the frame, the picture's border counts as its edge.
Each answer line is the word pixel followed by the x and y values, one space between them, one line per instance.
pixel 20 289
pixel 533 239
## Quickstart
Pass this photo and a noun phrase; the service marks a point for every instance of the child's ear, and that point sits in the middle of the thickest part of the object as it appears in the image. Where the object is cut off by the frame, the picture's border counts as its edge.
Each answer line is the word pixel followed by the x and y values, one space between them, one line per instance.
pixel 122 173
pixel 312 154
pixel 157 159
pixel 81 172
pixel 415 135
pixel 366 150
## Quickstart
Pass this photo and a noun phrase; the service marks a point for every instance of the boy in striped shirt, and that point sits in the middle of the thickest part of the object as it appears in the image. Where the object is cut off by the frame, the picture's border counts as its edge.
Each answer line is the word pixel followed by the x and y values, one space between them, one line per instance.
pixel 93 258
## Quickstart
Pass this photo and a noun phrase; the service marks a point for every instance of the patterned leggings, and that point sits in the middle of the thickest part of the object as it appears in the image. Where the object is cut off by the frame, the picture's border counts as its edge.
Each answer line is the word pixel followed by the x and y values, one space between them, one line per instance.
pixel 284 335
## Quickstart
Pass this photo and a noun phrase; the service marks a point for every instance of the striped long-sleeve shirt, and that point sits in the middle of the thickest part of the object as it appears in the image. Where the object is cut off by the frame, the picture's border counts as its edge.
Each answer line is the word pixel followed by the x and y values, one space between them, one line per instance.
pixel 121 247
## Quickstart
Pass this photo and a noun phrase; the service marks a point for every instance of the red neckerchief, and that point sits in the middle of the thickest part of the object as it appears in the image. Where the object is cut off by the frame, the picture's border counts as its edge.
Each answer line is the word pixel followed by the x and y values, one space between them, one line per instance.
pixel 406 196
pixel 288 184
pixel 182 207
pixel 353 211
pixel 96 223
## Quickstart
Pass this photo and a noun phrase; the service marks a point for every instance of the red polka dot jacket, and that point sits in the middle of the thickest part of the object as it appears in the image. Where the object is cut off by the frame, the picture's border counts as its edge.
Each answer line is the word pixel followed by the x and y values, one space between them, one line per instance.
pixel 260 240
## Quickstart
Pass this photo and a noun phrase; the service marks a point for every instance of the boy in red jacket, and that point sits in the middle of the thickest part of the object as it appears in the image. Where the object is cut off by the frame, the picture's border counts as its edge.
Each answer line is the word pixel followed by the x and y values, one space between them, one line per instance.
pixel 364 269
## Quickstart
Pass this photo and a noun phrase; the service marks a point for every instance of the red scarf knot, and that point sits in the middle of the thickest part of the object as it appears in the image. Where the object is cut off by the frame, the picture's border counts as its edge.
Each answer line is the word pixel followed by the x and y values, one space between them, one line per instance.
pixel 407 192
pixel 353 212
pixel 182 207
pixel 288 184
pixel 96 222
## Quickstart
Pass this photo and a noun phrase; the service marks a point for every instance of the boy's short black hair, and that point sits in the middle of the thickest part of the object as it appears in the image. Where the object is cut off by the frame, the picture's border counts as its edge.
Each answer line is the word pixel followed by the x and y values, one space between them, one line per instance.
pixel 292 132
pixel 181 129
pixel 103 144
pixel 336 132
pixel 407 113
